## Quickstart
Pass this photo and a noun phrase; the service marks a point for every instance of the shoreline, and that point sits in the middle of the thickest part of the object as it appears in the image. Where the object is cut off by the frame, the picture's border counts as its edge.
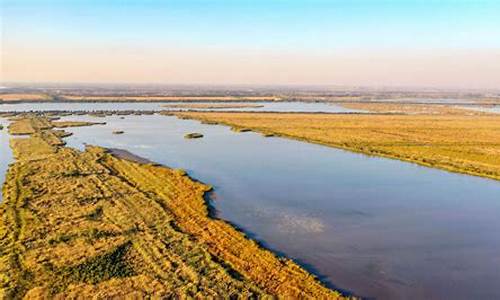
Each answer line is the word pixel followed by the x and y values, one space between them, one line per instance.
pixel 422 161
pixel 259 270
pixel 212 213
pixel 187 114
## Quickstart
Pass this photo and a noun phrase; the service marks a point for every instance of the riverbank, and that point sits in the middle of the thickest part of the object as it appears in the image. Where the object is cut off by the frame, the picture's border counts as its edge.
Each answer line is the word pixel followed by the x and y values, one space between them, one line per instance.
pixel 413 108
pixel 457 143
pixel 85 223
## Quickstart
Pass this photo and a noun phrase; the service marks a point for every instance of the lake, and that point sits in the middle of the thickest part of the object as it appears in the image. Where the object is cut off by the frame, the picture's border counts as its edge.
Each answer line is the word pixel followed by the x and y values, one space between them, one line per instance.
pixel 372 226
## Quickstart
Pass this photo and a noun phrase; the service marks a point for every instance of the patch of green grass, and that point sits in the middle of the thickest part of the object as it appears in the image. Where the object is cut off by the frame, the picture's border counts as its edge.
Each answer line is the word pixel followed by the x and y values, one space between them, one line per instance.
pixel 95 270
pixel 95 215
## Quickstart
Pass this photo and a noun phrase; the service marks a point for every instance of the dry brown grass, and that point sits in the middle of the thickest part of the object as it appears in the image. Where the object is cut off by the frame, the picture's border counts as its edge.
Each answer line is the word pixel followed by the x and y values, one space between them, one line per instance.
pixel 420 109
pixel 88 224
pixel 458 143
pixel 66 124
pixel 27 125
pixel 24 97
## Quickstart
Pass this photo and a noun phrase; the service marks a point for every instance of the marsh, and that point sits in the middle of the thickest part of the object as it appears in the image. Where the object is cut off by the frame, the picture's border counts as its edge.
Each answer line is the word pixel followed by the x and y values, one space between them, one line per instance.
pixel 372 226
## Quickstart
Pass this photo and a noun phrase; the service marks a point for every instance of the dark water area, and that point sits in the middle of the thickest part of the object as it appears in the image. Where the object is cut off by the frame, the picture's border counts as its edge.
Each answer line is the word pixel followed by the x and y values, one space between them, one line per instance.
pixel 376 227
pixel 156 106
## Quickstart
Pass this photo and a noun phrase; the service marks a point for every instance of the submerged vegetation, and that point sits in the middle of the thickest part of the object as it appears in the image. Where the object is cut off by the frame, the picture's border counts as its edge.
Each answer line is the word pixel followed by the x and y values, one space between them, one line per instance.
pixel 458 143
pixel 76 224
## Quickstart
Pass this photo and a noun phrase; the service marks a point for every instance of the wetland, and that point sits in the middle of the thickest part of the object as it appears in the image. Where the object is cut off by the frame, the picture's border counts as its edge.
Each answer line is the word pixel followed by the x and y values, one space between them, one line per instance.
pixel 377 226
pixel 85 223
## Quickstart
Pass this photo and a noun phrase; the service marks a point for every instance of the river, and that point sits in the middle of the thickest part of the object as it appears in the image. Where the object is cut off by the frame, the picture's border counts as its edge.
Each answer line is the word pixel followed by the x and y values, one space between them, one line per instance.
pixel 371 226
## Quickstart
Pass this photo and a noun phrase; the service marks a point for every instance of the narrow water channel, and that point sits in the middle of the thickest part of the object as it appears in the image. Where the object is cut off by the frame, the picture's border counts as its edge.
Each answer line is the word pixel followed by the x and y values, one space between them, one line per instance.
pixel 372 226
pixel 5 153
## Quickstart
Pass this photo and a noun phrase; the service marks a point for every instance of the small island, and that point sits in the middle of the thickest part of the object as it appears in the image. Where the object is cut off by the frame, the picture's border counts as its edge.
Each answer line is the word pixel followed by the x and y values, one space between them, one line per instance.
pixel 193 135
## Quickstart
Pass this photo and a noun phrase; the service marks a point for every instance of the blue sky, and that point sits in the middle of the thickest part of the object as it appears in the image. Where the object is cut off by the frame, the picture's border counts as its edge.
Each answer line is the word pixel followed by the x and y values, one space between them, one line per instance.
pixel 308 27
pixel 271 23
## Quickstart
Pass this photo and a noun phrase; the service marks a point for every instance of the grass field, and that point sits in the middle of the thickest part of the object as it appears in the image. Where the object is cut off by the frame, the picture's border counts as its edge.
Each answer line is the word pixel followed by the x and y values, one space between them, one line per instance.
pixel 88 224
pixel 458 143
pixel 419 109
pixel 16 97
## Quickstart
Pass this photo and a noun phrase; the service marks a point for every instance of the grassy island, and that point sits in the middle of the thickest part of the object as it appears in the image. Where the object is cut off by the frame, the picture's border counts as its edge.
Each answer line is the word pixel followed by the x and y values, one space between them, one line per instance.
pixel 80 224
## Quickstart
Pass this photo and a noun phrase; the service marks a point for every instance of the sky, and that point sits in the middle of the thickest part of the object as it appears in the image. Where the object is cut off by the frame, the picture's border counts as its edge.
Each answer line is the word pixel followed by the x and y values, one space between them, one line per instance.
pixel 452 44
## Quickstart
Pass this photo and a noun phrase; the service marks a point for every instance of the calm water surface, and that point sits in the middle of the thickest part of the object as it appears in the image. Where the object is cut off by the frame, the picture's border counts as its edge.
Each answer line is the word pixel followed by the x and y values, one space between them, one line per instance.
pixel 5 152
pixel 377 227
pixel 490 109
pixel 119 106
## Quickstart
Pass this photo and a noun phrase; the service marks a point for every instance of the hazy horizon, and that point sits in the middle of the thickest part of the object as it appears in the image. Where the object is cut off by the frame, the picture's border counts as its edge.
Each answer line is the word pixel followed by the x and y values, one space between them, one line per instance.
pixel 15 85
pixel 432 44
